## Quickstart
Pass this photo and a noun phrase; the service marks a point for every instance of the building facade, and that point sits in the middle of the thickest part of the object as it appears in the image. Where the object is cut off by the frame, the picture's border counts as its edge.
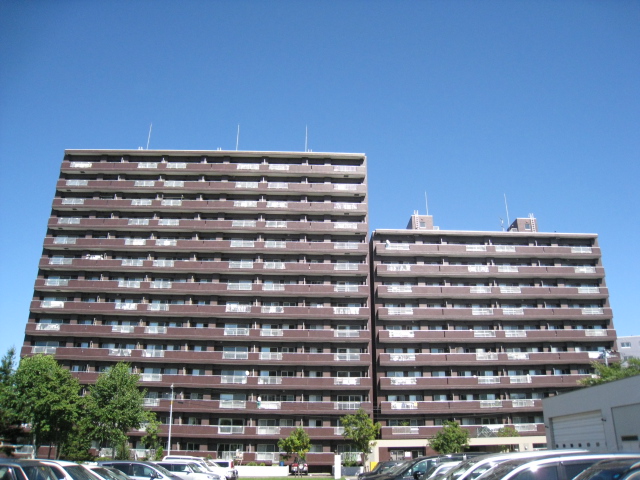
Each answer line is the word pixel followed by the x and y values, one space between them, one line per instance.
pixel 603 418
pixel 245 286
pixel 237 281
pixel 629 346
pixel 479 327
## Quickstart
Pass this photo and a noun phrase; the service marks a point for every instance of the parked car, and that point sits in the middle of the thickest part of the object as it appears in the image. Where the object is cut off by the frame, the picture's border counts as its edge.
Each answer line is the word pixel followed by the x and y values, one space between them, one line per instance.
pixel 107 473
pixel 188 470
pixel 25 470
pixel 232 471
pixel 439 471
pixel 381 467
pixel 417 468
pixel 138 470
pixel 564 467
pixel 617 469
pixel 299 467
pixel 472 468
pixel 208 465
pixel 69 470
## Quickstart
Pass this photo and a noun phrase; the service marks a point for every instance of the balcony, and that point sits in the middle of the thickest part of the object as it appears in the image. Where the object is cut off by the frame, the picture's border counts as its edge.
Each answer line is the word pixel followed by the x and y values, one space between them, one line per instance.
pixel 446 384
pixel 458 406
pixel 232 168
pixel 119 352
pixel 477 292
pixel 233 404
pixel 487 358
pixel 475 431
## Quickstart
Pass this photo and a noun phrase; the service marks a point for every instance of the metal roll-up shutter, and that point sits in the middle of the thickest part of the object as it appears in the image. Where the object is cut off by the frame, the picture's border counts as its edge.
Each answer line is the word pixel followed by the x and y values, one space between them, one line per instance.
pixel 582 430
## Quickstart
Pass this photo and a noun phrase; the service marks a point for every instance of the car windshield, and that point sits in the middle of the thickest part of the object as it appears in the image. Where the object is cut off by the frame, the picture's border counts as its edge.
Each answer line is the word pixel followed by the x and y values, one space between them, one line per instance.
pixel 385 467
pixel 164 471
pixel 461 468
pixel 79 473
pixel 606 470
pixel 196 468
pixel 502 469
pixel 117 473
pixel 104 473
pixel 39 472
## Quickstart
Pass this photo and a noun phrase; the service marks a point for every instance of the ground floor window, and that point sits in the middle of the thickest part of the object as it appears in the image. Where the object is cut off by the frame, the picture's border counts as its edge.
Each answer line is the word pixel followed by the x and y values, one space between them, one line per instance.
pixel 406 454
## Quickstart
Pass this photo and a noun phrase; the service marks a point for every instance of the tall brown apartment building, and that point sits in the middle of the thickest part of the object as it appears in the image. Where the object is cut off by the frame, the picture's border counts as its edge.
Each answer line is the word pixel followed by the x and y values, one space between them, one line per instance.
pixel 238 280
pixel 245 284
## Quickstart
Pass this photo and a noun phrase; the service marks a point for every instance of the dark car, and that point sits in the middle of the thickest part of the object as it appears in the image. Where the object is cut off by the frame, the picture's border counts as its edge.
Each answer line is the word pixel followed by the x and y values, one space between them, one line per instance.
pixel 381 467
pixel 107 473
pixel 417 468
pixel 25 470
pixel 551 468
pixel 141 470
pixel 619 469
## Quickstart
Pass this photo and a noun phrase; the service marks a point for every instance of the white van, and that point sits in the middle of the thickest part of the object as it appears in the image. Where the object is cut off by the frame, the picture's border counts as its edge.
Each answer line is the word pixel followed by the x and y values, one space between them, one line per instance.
pixel 208 465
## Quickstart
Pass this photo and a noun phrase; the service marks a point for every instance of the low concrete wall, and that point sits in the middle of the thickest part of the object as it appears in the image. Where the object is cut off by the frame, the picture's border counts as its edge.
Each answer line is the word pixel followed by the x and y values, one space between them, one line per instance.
pixel 273 471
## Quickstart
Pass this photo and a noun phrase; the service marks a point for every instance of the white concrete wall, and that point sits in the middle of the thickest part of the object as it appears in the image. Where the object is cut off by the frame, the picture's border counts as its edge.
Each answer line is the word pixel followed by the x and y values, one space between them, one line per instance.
pixel 618 403
pixel 272 471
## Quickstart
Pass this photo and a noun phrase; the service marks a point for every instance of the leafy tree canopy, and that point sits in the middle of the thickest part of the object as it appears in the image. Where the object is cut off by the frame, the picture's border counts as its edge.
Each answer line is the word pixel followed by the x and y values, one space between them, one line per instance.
pixel 10 420
pixel 151 439
pixel 361 430
pixel 613 371
pixel 450 439
pixel 507 432
pixel 298 443
pixel 114 405
pixel 48 398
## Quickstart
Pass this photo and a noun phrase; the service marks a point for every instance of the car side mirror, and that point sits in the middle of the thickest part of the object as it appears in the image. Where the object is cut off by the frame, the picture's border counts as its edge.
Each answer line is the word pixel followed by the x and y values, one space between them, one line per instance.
pixel 418 475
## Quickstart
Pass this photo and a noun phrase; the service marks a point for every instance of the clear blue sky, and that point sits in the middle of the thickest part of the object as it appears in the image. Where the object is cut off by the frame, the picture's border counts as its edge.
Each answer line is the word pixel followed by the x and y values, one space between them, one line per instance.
pixel 467 100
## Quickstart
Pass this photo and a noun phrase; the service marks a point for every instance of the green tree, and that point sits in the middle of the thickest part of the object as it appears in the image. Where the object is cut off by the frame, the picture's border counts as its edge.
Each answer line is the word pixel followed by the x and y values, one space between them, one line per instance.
pixel 114 406
pixel 298 443
pixel 507 432
pixel 613 371
pixel 361 430
pixel 450 439
pixel 77 448
pixel 48 398
pixel 10 428
pixel 151 439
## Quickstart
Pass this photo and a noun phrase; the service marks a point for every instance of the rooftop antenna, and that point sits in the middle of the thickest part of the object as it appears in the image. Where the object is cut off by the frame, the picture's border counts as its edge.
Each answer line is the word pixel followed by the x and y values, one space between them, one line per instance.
pixel 306 138
pixel 149 137
pixel 506 206
pixel 238 137
pixel 501 223
pixel 426 201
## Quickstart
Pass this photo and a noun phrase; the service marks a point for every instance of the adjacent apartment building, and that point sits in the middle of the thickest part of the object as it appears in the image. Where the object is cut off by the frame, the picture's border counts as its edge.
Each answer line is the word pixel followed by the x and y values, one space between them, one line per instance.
pixel 479 327
pixel 245 285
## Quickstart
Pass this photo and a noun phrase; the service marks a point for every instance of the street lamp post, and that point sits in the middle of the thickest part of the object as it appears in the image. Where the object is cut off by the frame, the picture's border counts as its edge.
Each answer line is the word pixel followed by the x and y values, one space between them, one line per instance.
pixel 170 422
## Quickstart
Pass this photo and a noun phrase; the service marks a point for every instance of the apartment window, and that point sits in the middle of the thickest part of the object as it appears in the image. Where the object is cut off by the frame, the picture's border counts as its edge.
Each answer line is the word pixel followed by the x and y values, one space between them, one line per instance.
pixel 625 344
